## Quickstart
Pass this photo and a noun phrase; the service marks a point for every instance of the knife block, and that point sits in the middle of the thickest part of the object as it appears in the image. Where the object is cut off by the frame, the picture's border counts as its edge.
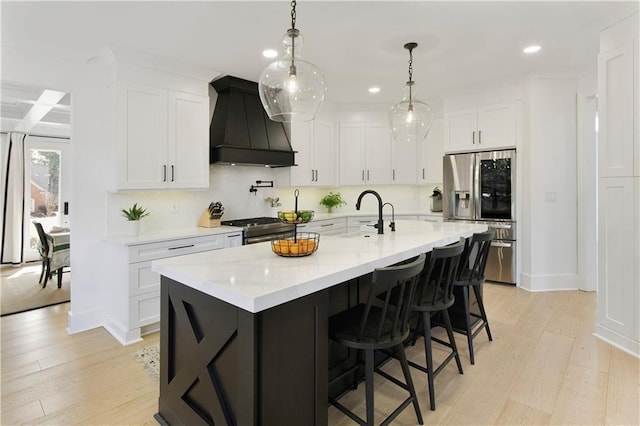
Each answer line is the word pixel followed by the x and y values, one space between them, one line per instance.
pixel 205 222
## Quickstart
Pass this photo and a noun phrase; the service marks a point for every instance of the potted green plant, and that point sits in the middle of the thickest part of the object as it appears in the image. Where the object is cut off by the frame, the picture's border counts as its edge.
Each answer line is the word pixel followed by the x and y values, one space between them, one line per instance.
pixel 133 215
pixel 332 200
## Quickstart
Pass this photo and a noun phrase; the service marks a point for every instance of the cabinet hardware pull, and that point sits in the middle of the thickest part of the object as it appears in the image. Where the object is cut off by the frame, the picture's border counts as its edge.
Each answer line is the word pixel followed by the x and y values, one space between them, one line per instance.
pixel 164 173
pixel 180 247
pixel 233 235
pixel 473 137
pixel 363 174
pixel 316 175
pixel 367 174
pixel 326 224
pixel 365 221
pixel 479 136
pixel 172 174
pixel 394 174
pixel 312 179
pixel 423 173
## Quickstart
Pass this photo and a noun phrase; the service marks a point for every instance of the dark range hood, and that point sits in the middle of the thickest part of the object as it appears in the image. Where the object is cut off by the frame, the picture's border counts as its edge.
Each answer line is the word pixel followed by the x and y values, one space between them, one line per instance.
pixel 241 132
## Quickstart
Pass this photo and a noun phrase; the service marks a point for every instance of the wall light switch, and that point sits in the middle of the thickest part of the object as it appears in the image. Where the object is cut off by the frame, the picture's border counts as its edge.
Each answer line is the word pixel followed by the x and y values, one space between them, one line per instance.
pixel 175 207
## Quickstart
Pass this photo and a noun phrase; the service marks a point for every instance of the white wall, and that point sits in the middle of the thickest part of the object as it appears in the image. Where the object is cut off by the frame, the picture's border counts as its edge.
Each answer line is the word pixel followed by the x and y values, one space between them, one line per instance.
pixel 549 240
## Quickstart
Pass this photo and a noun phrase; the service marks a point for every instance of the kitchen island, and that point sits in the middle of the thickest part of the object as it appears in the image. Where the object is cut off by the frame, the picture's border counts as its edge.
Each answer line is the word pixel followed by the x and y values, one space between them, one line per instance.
pixel 244 336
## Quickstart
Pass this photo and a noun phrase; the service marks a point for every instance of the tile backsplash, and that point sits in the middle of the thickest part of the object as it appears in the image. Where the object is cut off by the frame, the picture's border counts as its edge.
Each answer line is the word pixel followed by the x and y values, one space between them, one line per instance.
pixel 230 185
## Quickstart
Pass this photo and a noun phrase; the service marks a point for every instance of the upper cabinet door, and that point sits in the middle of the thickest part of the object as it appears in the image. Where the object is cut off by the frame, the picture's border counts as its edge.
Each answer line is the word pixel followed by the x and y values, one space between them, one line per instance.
pixel 141 129
pixel 324 153
pixel 460 130
pixel 352 153
pixel 303 173
pixel 496 126
pixel 404 162
pixel 430 153
pixel 188 141
pixel 378 154
pixel 480 128
pixel 616 112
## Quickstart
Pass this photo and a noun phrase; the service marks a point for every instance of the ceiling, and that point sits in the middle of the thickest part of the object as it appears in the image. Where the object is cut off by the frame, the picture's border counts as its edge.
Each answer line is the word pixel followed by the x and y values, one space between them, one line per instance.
pixel 356 44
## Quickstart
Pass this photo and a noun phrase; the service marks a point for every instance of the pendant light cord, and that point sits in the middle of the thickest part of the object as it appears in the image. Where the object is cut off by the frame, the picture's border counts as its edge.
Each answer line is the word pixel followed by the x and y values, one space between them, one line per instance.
pixel 410 77
pixel 293 32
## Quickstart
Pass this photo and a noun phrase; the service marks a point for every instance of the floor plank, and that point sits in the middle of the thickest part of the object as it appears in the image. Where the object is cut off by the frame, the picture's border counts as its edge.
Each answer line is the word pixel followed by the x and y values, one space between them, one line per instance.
pixel 543 367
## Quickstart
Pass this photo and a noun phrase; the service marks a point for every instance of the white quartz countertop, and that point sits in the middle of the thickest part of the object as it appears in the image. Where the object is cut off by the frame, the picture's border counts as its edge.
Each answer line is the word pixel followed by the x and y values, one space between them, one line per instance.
pixel 154 237
pixel 254 278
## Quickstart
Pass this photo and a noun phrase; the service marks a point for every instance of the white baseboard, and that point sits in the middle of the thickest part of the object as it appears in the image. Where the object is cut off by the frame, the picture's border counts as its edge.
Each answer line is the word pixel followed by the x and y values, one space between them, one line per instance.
pixel 536 283
pixel 83 321
pixel 617 340
pixel 122 335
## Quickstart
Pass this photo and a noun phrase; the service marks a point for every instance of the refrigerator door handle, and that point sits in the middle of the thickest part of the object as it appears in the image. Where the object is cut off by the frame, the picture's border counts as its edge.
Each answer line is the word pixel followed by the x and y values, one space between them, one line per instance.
pixel 476 188
pixel 497 244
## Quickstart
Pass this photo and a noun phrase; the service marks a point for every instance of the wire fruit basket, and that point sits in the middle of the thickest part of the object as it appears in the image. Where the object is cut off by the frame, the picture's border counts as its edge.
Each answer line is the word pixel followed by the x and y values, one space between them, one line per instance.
pixel 296 216
pixel 302 244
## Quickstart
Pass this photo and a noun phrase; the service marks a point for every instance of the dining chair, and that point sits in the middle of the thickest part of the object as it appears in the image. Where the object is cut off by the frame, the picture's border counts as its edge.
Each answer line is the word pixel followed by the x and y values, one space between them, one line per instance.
pixel 44 250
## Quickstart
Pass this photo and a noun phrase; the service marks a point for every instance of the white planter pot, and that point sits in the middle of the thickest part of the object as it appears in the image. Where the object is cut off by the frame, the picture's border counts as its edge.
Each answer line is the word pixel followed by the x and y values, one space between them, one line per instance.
pixel 133 227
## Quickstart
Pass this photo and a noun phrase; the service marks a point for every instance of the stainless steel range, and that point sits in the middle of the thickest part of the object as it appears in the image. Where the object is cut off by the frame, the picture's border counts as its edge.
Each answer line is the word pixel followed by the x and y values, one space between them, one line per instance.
pixel 259 229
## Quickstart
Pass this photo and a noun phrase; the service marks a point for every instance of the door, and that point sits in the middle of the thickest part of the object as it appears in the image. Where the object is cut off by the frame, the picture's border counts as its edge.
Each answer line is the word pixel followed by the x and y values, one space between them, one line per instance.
pixel 496 126
pixel 47 188
pixel 352 148
pixel 458 174
pixel 188 141
pixel 142 137
pixel 378 154
pixel 324 153
pixel 460 127
pixel 496 184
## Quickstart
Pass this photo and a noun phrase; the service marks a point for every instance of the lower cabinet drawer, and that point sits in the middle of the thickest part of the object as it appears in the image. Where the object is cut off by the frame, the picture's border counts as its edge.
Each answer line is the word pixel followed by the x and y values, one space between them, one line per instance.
pixel 144 309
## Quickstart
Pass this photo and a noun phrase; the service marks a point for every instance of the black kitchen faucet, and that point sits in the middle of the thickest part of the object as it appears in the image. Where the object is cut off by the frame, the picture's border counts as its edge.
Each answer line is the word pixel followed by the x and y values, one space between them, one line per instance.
pixel 380 225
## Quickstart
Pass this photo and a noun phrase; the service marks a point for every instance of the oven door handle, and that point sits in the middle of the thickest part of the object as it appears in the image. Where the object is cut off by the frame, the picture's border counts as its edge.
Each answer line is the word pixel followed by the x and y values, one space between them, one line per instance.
pixel 263 238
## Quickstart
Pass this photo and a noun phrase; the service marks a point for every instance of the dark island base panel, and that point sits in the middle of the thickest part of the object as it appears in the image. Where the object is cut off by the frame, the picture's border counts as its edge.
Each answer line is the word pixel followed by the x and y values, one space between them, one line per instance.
pixel 226 366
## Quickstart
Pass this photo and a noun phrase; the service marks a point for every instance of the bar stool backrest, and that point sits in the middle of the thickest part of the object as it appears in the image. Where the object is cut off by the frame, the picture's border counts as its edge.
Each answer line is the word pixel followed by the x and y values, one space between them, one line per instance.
pixel 474 258
pixel 435 287
pixel 391 291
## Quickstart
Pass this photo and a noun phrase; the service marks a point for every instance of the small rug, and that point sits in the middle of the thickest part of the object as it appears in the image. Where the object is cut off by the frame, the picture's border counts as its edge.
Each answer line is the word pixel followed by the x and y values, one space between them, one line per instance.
pixel 20 290
pixel 150 356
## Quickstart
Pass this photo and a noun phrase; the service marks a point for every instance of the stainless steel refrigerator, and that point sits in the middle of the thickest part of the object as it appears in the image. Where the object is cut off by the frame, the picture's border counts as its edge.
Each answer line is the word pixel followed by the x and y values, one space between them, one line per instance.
pixel 480 187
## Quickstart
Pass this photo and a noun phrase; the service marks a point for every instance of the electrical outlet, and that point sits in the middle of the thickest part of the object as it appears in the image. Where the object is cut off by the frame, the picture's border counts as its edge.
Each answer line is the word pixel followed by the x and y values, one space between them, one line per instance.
pixel 175 207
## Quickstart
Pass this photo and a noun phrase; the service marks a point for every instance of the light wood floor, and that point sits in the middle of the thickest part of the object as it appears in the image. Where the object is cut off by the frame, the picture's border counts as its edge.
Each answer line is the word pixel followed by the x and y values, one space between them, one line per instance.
pixel 543 367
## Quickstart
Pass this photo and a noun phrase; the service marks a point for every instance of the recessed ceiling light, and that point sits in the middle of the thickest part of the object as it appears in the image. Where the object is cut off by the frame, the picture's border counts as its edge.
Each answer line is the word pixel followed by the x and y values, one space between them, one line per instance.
pixel 374 89
pixel 269 53
pixel 531 49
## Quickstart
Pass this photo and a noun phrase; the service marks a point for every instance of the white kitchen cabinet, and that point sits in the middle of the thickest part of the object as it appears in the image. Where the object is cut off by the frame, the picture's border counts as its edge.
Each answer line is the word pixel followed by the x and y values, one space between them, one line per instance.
pixel 616 138
pixel 430 153
pixel 315 146
pixel 233 240
pixel 618 310
pixel 135 305
pixel 335 226
pixel 404 162
pixel 481 127
pixel 161 138
pixel 365 154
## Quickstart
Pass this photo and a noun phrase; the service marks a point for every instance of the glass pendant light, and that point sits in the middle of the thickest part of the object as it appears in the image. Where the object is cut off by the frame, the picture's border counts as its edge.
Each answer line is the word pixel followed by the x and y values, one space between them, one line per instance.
pixel 410 119
pixel 291 89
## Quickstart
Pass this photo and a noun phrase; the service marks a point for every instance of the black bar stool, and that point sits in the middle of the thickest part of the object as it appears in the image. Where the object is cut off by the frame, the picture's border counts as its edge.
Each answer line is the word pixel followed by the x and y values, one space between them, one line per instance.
pixel 378 324
pixel 471 275
pixel 434 295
